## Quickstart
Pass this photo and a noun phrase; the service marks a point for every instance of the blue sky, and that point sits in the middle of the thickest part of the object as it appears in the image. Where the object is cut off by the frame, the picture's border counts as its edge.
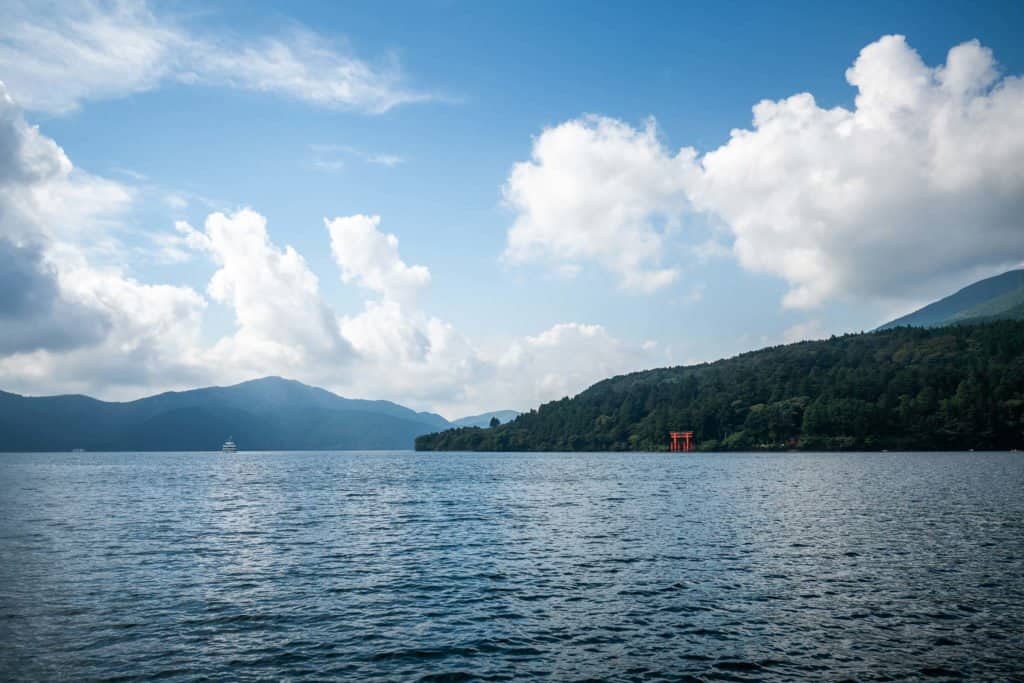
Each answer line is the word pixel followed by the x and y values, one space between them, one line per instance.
pixel 214 119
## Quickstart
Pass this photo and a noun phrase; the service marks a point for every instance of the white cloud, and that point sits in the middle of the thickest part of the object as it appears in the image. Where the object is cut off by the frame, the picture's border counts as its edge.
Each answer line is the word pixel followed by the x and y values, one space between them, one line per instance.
pixel 563 360
pixel 176 201
pixel 66 322
pixel 333 158
pixel 72 324
pixel 370 258
pixel 409 357
pixel 307 67
pixel 169 248
pixel 598 190
pixel 148 342
pixel 919 183
pixel 389 160
pixel 391 349
pixel 710 250
pixel 33 312
pixel 329 165
pixel 155 327
pixel 919 186
pixel 403 353
pixel 282 322
pixel 43 196
pixel 916 190
pixel 54 57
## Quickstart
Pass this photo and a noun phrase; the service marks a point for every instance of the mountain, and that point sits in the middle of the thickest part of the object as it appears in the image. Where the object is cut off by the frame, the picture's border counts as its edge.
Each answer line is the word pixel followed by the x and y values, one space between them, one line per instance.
pixel 484 420
pixel 265 414
pixel 912 388
pixel 995 298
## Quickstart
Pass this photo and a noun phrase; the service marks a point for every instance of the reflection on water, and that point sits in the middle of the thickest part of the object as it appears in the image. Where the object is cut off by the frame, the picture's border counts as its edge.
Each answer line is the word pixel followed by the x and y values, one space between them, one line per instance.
pixel 501 566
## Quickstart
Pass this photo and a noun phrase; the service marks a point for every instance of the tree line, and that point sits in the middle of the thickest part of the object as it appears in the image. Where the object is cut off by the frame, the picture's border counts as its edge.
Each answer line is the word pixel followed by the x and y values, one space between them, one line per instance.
pixel 951 388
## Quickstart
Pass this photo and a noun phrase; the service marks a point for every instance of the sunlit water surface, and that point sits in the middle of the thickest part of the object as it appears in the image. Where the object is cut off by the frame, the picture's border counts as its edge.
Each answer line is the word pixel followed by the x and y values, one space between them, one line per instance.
pixel 405 566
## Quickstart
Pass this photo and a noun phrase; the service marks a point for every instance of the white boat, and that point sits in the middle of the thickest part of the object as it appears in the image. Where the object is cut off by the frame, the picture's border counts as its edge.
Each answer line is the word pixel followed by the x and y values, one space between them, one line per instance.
pixel 229 446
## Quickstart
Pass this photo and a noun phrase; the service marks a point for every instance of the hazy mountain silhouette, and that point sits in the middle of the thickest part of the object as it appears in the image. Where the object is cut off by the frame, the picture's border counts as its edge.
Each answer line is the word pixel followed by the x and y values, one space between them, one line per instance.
pixel 265 414
pixel 484 419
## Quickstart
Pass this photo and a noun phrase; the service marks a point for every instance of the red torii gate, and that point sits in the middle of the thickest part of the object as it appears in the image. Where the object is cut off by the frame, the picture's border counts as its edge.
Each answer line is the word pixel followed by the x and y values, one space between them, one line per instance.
pixel 686 439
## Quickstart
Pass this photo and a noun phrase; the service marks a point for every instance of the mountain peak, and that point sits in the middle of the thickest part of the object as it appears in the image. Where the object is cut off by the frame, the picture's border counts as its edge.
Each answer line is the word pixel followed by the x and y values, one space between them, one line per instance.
pixel 270 380
pixel 267 413
pixel 995 298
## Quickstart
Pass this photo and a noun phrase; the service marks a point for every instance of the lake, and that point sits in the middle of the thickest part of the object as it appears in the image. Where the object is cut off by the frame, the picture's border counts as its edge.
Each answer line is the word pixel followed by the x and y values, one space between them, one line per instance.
pixel 445 566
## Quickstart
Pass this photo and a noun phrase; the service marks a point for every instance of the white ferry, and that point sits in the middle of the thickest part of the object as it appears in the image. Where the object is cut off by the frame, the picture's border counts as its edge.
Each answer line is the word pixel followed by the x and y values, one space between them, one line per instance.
pixel 229 446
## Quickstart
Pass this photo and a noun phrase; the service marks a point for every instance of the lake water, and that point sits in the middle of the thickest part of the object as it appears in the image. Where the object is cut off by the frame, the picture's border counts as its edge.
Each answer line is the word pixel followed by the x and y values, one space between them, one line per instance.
pixel 428 566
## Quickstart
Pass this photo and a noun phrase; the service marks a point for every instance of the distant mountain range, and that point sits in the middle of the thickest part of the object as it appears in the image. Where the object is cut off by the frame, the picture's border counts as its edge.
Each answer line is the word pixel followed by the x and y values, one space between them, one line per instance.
pixel 484 420
pixel 265 414
pixel 995 298
pixel 279 414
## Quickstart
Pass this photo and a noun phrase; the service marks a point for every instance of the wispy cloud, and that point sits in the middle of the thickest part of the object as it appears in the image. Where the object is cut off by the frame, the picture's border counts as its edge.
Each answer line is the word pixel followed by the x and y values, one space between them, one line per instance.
pixel 388 160
pixel 132 174
pixel 328 165
pixel 332 158
pixel 53 58
pixel 175 201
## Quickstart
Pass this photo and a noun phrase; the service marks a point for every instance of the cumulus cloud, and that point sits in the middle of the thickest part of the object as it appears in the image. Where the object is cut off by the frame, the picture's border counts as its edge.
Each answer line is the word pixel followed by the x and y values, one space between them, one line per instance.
pixel 282 322
pixel 89 329
pixel 56 56
pixel 405 352
pixel 33 313
pixel 64 320
pixel 424 361
pixel 597 190
pixel 563 360
pixel 920 184
pixel 916 189
pixel 72 324
pixel 149 344
pixel 154 332
pixel 410 356
pixel 43 197
pixel 391 348
pixel 370 258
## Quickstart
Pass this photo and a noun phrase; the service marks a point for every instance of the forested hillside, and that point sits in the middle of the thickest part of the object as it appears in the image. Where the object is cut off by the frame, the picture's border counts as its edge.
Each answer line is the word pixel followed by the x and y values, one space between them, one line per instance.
pixel 904 388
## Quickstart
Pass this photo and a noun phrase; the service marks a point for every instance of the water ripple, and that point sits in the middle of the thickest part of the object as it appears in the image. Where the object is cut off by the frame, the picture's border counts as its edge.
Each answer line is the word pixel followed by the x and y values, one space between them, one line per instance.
pixel 496 567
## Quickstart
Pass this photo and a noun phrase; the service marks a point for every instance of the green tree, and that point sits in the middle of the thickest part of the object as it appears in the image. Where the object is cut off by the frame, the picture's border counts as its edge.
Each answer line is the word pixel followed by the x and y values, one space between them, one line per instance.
pixel 916 388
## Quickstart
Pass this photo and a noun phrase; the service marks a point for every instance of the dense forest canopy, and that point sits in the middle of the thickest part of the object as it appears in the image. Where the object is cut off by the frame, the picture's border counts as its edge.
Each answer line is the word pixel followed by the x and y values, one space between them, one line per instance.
pixel 905 388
